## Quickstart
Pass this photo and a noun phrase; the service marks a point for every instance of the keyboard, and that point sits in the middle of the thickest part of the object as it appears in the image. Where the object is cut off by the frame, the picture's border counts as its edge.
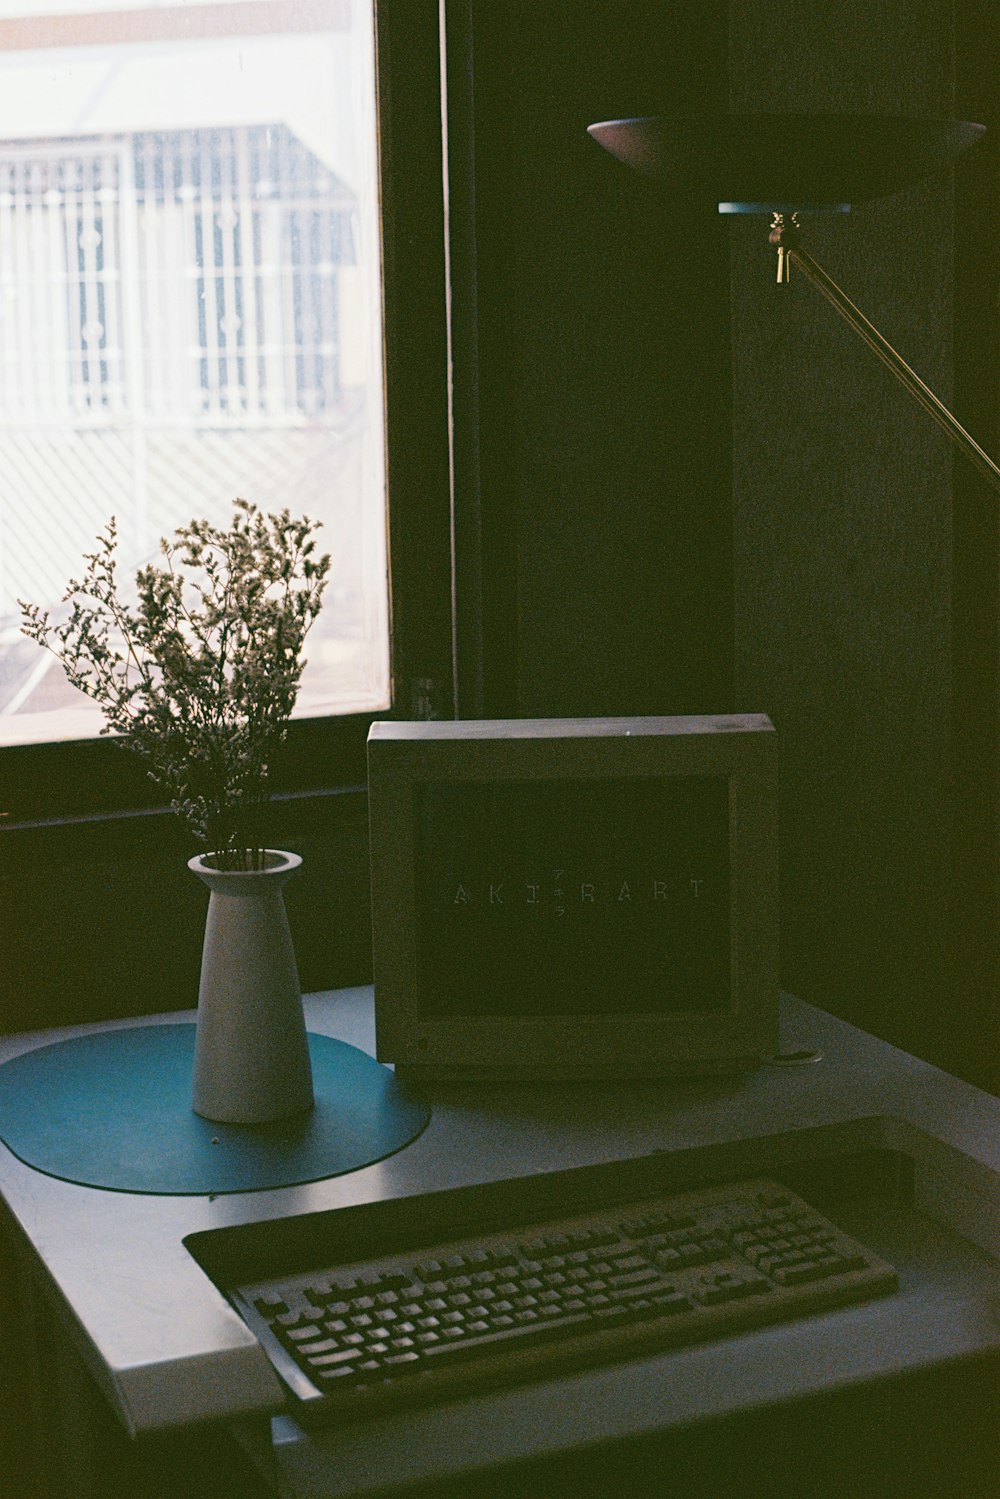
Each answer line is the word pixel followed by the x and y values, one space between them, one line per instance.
pixel 471 1313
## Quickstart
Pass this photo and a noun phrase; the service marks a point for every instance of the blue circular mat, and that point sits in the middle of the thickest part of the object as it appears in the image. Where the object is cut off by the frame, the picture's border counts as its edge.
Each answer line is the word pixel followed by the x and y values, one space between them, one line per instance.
pixel 113 1110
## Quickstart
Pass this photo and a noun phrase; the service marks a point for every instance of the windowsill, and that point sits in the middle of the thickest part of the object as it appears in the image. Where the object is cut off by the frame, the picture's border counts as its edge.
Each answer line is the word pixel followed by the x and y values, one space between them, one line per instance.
pixel 91 780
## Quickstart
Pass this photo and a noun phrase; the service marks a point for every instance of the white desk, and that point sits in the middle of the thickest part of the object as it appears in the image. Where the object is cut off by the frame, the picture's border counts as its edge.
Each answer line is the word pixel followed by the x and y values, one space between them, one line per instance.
pixel 168 1352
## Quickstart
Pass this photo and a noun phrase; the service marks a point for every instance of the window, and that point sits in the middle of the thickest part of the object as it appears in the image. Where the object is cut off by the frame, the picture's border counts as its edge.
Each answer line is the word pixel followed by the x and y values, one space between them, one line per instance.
pixel 101 917
pixel 189 310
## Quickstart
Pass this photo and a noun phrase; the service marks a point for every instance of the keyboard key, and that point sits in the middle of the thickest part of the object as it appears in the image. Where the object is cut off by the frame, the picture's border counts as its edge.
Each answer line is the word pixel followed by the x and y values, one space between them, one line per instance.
pixel 628 1293
pixel 396 1280
pixel 800 1275
pixel 774 1198
pixel 715 1246
pixel 670 1303
pixel 609 1315
pixel 516 1337
pixel 636 1277
pixel 298 1317
pixel 732 1291
pixel 848 1262
pixel 270 1304
pixel 755 1252
pixel 303 1334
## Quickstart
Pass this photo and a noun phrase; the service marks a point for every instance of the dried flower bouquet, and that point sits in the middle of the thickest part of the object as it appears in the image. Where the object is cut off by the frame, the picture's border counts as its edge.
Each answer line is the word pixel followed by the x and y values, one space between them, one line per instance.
pixel 200 674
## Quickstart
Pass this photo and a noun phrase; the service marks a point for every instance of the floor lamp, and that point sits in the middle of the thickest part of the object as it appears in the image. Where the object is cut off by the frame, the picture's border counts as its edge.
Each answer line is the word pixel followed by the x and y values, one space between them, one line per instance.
pixel 786 165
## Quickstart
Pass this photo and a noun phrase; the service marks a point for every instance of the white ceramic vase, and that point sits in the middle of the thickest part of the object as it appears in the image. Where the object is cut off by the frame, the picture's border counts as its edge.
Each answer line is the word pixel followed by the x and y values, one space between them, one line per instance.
pixel 251 1061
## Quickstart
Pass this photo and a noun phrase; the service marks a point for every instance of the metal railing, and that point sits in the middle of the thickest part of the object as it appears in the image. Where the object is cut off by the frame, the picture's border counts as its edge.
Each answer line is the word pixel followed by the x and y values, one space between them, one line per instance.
pixel 170 304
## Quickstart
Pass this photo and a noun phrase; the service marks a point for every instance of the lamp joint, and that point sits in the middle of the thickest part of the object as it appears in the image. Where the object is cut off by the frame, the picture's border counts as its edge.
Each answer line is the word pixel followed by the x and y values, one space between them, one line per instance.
pixel 784 235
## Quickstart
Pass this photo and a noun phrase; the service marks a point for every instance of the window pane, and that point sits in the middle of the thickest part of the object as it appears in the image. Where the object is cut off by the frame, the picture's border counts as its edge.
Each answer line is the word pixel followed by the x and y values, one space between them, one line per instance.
pixel 189 310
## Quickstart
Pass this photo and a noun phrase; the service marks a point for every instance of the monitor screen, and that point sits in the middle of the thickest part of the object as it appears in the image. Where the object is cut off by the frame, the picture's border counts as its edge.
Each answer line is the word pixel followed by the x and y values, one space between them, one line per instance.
pixel 562 897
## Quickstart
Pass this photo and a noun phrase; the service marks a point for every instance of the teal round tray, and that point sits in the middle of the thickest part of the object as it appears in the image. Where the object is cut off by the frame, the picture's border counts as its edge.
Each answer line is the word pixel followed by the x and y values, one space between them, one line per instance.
pixel 113 1110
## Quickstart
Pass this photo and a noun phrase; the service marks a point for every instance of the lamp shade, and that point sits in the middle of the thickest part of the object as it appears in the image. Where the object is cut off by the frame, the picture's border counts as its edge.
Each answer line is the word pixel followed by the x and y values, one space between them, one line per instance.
pixel 755 163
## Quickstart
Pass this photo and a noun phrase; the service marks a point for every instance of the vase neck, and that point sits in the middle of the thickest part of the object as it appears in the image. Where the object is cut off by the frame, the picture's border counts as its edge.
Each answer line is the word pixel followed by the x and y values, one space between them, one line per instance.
pixel 276 868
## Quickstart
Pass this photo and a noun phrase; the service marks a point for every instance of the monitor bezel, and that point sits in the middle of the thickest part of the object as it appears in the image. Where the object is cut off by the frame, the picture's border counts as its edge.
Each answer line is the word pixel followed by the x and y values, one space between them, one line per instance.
pixel 403 756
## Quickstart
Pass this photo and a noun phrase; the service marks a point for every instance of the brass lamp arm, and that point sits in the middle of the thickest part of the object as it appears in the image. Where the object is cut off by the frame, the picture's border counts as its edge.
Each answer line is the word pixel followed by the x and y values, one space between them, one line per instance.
pixel 785 236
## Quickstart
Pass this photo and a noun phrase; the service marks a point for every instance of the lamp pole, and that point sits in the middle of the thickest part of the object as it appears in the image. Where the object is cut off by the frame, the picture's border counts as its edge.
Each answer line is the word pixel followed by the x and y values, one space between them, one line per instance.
pixel 785 235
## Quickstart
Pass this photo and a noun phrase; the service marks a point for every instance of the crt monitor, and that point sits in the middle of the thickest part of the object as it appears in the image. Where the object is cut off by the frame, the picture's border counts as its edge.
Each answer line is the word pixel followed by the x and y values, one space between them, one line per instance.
pixel 574 898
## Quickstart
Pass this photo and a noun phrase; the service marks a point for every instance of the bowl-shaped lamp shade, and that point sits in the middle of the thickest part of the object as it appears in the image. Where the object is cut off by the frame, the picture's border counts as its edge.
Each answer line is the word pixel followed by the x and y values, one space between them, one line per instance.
pixel 756 163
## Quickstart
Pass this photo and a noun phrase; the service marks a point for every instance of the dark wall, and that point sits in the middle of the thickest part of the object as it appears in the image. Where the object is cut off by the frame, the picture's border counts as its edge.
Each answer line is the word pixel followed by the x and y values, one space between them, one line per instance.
pixel 102 919
pixel 844 541
pixel 594 322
